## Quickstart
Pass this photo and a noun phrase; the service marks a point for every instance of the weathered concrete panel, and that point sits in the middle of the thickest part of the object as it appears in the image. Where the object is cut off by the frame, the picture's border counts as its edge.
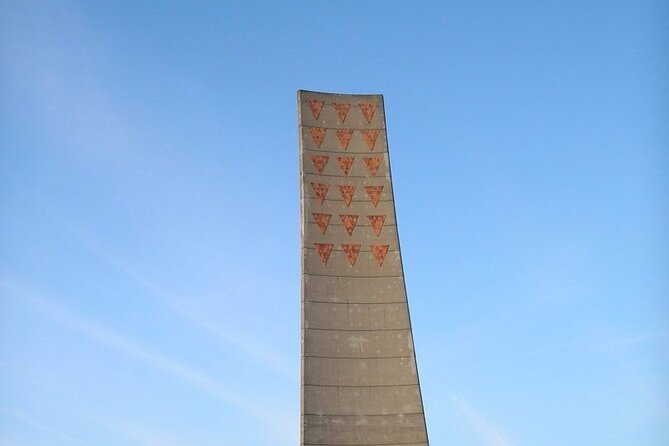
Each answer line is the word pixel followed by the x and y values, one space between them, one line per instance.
pixel 358 344
pixel 364 430
pixel 353 289
pixel 359 372
pixel 359 379
pixel 362 400
pixel 355 316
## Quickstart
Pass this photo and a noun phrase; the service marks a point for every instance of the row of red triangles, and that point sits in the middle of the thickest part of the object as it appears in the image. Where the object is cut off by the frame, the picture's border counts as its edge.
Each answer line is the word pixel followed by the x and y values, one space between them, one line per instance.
pixel 347 191
pixel 325 249
pixel 316 107
pixel 344 136
pixel 345 163
pixel 349 222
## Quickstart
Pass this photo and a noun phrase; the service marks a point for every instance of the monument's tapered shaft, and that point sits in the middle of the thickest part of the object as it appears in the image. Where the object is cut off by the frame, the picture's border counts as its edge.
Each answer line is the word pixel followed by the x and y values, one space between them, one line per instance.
pixel 359 378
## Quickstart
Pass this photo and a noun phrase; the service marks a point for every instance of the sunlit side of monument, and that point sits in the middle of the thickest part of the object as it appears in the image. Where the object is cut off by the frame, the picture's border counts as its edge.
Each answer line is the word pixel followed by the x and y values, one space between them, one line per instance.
pixel 359 378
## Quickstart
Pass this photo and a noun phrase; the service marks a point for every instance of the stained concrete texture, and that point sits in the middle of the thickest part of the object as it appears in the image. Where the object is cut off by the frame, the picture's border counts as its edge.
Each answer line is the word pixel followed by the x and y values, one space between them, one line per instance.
pixel 359 378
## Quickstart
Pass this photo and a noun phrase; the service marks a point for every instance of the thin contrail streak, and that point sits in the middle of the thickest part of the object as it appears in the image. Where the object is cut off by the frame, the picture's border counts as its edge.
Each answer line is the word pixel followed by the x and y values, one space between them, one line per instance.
pixel 262 353
pixel 157 361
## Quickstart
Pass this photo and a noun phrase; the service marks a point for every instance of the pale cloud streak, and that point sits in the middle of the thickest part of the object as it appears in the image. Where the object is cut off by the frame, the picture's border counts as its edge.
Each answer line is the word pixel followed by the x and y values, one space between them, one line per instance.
pixel 488 433
pixel 33 423
pixel 65 97
pixel 132 433
pixel 142 436
pixel 260 352
pixel 73 101
pixel 274 420
pixel 629 343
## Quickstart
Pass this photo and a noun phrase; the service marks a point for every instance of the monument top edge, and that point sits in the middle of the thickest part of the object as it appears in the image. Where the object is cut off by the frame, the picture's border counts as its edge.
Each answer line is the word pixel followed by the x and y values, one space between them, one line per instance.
pixel 308 94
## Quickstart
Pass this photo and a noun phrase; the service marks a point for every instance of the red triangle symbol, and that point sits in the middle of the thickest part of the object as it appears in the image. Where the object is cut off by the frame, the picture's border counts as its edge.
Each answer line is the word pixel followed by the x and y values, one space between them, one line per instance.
pixel 320 190
pixel 319 162
pixel 342 111
pixel 377 223
pixel 370 137
pixel 372 164
pixel 345 163
pixel 316 106
pixel 347 194
pixel 379 252
pixel 351 252
pixel 349 222
pixel 324 250
pixel 322 220
pixel 318 133
pixel 368 110
pixel 374 193
pixel 344 138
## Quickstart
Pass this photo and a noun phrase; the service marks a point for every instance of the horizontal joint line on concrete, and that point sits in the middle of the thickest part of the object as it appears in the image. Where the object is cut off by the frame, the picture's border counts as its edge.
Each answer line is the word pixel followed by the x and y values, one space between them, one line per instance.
pixel 358 225
pixel 363 415
pixel 354 98
pixel 352 201
pixel 421 443
pixel 358 329
pixel 358 357
pixel 345 152
pixel 341 250
pixel 353 303
pixel 343 128
pixel 351 276
pixel 363 444
pixel 359 386
pixel 339 176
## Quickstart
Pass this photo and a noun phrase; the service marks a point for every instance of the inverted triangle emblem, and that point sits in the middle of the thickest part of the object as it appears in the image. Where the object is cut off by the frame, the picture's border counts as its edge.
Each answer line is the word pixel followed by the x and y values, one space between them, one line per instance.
pixel 324 250
pixel 368 110
pixel 319 162
pixel 349 222
pixel 342 111
pixel 320 190
pixel 345 163
pixel 351 252
pixel 374 193
pixel 370 137
pixel 377 223
pixel 322 220
pixel 372 164
pixel 317 134
pixel 344 137
pixel 379 252
pixel 347 194
pixel 316 106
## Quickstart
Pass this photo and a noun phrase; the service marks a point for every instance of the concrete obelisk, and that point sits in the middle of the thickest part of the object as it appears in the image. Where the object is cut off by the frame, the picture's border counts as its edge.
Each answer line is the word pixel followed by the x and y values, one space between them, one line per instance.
pixel 359 377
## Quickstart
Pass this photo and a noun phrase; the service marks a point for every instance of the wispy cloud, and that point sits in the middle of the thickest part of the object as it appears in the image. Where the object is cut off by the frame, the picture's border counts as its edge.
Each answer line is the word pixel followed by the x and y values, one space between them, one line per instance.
pixel 37 425
pixel 66 97
pixel 261 353
pixel 142 436
pixel 275 420
pixel 132 433
pixel 489 434
pixel 73 101
pixel 7 442
pixel 626 344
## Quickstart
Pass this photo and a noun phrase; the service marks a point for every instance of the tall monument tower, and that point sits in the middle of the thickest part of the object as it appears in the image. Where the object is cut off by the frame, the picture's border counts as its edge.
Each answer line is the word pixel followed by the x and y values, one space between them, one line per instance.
pixel 359 378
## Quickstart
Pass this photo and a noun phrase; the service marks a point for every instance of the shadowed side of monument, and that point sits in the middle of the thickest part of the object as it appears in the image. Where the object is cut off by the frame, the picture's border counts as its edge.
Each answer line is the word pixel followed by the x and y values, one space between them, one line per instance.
pixel 359 378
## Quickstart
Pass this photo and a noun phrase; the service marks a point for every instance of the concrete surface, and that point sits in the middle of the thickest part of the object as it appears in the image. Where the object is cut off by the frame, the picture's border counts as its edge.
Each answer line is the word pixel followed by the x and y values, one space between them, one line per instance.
pixel 359 377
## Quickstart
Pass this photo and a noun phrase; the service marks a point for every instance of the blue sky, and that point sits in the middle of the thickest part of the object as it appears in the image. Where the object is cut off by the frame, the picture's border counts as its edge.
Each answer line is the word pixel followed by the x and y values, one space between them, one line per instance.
pixel 149 263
